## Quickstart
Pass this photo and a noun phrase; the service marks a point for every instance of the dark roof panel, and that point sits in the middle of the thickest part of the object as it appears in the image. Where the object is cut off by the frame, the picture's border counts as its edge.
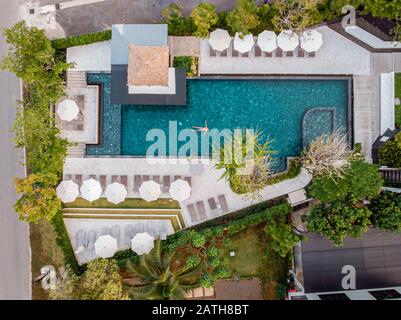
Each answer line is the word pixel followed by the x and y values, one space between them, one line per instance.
pixel 376 258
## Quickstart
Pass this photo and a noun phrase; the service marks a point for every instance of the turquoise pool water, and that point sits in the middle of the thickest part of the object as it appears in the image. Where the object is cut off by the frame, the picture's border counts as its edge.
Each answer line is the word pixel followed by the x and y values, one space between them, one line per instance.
pixel 277 107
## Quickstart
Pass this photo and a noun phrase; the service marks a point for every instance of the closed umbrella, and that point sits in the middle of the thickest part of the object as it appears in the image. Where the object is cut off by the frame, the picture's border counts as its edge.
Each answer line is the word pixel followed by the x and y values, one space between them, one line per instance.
pixel 311 41
pixel 219 40
pixel 106 246
pixel 288 40
pixel 180 190
pixel 91 190
pixel 245 44
pixel 115 193
pixel 67 110
pixel 67 191
pixel 142 243
pixel 267 41
pixel 149 190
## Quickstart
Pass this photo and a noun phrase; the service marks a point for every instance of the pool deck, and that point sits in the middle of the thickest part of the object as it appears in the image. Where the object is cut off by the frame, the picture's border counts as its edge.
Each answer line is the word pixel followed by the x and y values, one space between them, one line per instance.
pixel 205 179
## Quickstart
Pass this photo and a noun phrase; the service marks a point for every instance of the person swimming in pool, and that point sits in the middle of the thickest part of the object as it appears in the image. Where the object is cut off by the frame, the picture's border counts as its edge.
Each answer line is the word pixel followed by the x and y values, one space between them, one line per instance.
pixel 201 129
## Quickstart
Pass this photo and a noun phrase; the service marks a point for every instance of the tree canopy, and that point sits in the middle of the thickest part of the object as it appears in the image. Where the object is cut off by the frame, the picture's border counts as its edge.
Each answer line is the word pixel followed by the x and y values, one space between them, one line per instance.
pixel 204 17
pixel 243 18
pixel 386 211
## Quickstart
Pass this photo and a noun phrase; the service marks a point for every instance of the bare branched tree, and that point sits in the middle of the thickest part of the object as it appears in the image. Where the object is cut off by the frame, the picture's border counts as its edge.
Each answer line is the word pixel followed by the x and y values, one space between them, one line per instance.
pixel 328 155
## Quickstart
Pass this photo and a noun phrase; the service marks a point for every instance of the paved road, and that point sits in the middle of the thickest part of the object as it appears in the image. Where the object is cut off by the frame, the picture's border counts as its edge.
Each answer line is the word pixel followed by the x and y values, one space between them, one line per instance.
pixel 15 260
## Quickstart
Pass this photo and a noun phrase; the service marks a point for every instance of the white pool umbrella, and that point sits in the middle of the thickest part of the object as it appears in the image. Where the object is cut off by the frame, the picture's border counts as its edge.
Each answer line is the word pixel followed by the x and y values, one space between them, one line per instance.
pixel 180 190
pixel 311 40
pixel 91 190
pixel 106 246
pixel 287 40
pixel 267 41
pixel 219 40
pixel 115 193
pixel 245 44
pixel 149 190
pixel 67 191
pixel 142 243
pixel 67 110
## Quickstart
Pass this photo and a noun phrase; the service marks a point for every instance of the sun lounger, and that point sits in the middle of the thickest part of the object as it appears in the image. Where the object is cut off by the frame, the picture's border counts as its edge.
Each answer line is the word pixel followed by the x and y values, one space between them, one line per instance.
pixel 78 180
pixel 114 179
pixel 192 213
pixel 212 204
pixel 137 182
pixel 103 181
pixel 301 53
pixel 166 183
pixel 128 232
pixel 176 178
pixel 115 233
pixel 139 227
pixel 268 54
pixel 223 203
pixel 245 55
pixel 92 176
pixel 213 53
pixel 145 178
pixel 104 231
pixel 289 54
pixel 200 206
pixel 156 179
pixel 258 51
pixel 234 53
pixel 124 181
pixel 223 53
pixel 311 54
pixel 279 53
pixel 81 239
pixel 91 236
pixel 67 177
pixel 189 180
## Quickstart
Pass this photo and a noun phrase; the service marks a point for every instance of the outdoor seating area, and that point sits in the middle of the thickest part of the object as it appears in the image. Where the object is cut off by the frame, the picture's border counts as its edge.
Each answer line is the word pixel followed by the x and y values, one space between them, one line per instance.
pixel 116 188
pixel 198 212
pixel 104 239
pixel 266 45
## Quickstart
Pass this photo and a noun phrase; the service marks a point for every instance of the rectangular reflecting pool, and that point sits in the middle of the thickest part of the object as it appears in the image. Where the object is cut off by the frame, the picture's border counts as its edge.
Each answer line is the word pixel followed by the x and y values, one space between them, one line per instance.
pixel 291 113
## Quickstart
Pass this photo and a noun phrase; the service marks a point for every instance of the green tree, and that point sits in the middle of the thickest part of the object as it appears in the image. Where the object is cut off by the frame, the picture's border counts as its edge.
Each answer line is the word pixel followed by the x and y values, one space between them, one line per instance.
pixel 204 17
pixel 178 25
pixel 338 220
pixel 390 154
pixel 243 18
pixel 161 281
pixel 101 281
pixel 361 181
pixel 386 211
pixel 283 239
pixel 39 199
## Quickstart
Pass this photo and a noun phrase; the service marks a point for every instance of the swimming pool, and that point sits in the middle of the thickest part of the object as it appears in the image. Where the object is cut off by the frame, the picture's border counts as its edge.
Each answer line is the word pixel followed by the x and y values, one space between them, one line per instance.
pixel 287 111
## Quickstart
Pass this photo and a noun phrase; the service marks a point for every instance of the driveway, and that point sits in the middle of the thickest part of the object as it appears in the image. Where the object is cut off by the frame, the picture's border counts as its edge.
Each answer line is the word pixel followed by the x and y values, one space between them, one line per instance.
pixel 15 254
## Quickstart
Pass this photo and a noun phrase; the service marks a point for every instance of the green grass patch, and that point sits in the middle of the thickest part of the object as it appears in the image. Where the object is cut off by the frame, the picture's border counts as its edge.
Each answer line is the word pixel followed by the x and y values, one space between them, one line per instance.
pixel 132 203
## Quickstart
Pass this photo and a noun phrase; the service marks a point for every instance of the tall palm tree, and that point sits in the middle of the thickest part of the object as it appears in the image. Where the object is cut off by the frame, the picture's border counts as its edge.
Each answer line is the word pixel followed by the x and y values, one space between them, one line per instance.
pixel 160 281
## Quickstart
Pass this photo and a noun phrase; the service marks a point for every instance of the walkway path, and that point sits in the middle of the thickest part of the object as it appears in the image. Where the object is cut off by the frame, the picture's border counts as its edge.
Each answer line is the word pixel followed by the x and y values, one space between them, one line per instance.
pixel 15 260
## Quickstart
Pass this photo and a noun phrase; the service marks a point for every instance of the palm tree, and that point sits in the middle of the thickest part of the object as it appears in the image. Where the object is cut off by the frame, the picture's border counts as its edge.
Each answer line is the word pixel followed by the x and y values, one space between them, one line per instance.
pixel 159 280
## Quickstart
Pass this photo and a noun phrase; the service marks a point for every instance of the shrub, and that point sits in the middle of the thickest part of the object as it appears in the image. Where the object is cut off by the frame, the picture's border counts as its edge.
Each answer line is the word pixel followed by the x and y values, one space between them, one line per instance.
pixel 361 181
pixel 189 63
pixel 386 211
pixel 390 154
pixel 338 220
pixel 198 240
pixel 178 25
pixel 204 17
pixel 193 261
pixel 83 39
pixel 243 18
pixel 122 257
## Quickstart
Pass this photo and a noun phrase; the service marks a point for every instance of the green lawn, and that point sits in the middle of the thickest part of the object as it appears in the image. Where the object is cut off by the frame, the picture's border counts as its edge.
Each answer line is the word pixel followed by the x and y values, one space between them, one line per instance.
pixel 134 203
pixel 253 258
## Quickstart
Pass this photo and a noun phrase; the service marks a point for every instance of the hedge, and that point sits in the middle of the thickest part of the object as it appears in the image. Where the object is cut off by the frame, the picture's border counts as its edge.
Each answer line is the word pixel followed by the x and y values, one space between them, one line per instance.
pixel 64 243
pixel 88 38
